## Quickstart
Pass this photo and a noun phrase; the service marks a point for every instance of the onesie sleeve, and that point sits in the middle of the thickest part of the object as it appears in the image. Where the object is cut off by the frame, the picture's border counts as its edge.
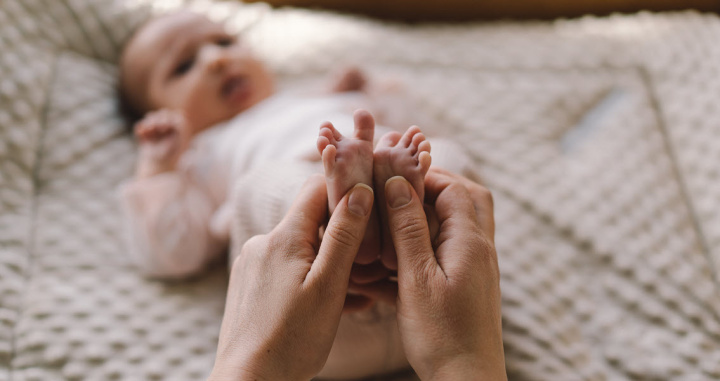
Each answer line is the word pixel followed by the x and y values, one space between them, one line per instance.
pixel 262 196
pixel 168 218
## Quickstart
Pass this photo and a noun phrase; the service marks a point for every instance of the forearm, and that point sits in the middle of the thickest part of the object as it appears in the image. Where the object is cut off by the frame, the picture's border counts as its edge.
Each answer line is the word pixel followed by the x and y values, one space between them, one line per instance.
pixel 167 218
pixel 222 372
pixel 147 168
pixel 240 370
pixel 470 368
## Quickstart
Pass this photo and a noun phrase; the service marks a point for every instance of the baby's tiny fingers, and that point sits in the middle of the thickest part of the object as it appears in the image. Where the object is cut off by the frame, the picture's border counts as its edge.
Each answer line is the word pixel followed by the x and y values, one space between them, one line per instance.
pixel 162 118
pixel 163 128
pixel 162 149
pixel 177 117
pixel 142 129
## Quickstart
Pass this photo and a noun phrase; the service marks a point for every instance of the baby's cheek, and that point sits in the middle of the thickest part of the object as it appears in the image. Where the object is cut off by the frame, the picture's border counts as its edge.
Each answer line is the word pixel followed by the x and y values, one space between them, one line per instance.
pixel 265 80
pixel 208 110
pixel 198 105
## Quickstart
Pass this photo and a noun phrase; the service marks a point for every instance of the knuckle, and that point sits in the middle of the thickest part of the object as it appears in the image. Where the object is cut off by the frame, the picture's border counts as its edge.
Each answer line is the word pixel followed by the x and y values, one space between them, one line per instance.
pixel 324 289
pixel 424 271
pixel 480 194
pixel 278 240
pixel 458 192
pixel 252 250
pixel 486 196
pixel 485 254
pixel 343 235
pixel 287 243
pixel 255 241
pixel 254 244
pixel 410 229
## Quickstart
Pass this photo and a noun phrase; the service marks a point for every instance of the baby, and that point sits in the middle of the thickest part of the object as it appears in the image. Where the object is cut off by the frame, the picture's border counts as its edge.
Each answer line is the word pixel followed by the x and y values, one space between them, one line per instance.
pixel 210 114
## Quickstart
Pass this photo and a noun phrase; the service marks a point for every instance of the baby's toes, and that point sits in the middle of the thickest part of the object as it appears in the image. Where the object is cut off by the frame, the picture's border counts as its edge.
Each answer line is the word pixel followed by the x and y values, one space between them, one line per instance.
pixel 416 141
pixel 424 146
pixel 389 140
pixel 408 136
pixel 334 134
pixel 424 161
pixel 322 143
pixel 328 158
pixel 364 125
pixel 326 136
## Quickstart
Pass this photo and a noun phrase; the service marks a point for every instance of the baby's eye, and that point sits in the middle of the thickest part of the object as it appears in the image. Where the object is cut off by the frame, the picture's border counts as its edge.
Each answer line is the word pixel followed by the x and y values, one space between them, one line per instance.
pixel 225 41
pixel 183 67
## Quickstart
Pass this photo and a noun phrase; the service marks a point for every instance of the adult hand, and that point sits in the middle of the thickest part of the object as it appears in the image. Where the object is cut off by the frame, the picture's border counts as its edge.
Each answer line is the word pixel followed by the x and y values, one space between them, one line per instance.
pixel 448 292
pixel 287 289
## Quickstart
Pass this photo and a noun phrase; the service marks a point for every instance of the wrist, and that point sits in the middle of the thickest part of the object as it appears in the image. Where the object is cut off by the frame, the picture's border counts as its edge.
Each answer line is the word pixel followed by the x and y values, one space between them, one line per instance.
pixel 224 371
pixel 242 369
pixel 148 168
pixel 228 374
pixel 468 368
pixel 232 374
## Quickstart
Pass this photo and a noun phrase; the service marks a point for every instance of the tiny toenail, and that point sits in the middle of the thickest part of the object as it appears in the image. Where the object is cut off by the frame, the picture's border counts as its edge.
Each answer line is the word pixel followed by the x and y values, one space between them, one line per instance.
pixel 397 192
pixel 361 199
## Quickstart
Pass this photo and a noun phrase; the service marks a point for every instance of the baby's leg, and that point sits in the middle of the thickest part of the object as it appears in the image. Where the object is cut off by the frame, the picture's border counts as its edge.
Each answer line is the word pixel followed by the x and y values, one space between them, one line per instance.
pixel 406 155
pixel 349 161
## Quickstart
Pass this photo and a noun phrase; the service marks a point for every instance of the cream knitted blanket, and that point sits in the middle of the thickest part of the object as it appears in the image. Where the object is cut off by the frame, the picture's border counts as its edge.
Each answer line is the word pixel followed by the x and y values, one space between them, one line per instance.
pixel 599 138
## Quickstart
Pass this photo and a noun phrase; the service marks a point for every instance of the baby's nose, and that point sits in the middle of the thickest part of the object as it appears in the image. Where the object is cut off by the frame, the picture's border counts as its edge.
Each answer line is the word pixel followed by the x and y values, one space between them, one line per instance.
pixel 216 58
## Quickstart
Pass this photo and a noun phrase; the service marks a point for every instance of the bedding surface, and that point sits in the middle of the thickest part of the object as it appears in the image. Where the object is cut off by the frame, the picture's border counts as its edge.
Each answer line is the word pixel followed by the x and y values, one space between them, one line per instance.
pixel 598 137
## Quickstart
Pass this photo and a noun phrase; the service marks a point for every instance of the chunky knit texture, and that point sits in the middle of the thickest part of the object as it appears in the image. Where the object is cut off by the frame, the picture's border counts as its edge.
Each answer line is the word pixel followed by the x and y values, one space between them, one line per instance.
pixel 598 137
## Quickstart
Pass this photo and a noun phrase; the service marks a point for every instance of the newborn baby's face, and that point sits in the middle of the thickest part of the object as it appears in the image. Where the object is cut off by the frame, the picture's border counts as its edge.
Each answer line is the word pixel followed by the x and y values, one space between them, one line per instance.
pixel 184 61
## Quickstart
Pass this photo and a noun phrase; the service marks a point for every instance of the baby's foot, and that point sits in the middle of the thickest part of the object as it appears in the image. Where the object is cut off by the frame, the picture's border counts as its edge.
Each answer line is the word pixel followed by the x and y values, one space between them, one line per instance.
pixel 349 161
pixel 349 79
pixel 406 155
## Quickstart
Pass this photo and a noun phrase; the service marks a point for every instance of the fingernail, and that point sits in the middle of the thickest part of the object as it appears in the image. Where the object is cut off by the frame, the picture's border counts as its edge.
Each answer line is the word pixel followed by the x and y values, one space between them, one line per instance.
pixel 397 192
pixel 361 199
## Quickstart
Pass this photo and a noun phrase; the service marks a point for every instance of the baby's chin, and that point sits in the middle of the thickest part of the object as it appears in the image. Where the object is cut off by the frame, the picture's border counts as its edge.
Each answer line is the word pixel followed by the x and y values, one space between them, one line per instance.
pixel 246 97
pixel 259 94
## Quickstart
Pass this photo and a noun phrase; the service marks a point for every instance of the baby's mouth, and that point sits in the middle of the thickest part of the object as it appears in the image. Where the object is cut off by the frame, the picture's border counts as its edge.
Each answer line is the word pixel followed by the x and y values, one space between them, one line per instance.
pixel 236 89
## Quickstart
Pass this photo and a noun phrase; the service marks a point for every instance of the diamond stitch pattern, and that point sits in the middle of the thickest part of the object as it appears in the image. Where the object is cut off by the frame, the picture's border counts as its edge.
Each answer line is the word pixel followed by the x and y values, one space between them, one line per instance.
pixel 597 136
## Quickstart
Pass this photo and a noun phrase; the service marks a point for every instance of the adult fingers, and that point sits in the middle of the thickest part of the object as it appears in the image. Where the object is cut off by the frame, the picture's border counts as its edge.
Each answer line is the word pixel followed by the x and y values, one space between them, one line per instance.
pixel 409 229
pixel 438 179
pixel 453 203
pixel 308 212
pixel 342 238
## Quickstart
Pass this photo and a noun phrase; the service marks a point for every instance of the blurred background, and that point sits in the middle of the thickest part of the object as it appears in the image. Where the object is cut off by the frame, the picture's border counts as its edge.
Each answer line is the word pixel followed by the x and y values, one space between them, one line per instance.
pixel 595 124
pixel 463 10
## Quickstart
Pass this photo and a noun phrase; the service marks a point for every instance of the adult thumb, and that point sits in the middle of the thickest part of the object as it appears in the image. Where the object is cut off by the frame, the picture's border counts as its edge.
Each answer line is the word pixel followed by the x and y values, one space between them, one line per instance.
pixel 343 235
pixel 408 227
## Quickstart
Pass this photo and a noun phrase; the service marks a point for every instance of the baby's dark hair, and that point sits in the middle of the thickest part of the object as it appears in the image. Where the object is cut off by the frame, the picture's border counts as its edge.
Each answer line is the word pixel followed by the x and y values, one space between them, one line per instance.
pixel 128 112
pixel 131 111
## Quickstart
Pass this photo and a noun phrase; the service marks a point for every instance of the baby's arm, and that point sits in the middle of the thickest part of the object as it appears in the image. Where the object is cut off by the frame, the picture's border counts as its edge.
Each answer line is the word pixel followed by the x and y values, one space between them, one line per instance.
pixel 167 213
pixel 163 136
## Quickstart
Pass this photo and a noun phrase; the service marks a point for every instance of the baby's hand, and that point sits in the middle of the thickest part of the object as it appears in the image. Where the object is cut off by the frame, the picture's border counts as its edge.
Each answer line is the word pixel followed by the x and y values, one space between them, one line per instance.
pixel 163 136
pixel 349 78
